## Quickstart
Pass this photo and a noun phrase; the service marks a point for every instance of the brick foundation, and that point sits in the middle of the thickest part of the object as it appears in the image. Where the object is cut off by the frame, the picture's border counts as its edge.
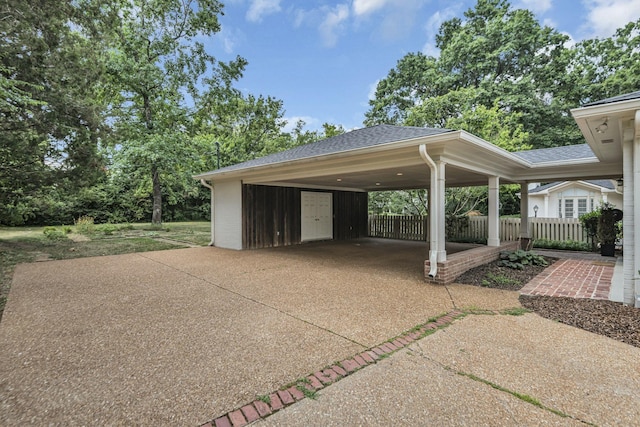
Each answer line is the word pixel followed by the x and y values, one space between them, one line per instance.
pixel 458 263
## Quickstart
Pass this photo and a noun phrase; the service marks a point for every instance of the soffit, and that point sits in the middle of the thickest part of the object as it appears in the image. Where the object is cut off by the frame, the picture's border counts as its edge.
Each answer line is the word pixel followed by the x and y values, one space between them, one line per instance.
pixel 604 125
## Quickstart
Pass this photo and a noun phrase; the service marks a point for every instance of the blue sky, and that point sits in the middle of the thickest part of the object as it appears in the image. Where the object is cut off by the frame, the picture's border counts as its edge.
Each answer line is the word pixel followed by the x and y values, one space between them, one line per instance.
pixel 323 58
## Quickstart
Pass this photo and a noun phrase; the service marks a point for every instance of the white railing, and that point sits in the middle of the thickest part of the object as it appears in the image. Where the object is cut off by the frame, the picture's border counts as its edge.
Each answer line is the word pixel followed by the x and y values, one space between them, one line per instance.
pixel 416 228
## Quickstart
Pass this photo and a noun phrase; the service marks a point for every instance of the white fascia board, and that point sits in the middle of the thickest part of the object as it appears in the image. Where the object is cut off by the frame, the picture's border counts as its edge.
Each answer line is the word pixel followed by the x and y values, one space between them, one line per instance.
pixel 614 108
pixel 492 148
pixel 481 170
pixel 585 161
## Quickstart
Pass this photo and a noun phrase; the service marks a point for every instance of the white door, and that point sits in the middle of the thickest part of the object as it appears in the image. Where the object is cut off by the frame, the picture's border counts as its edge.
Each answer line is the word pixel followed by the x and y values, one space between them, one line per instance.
pixel 317 216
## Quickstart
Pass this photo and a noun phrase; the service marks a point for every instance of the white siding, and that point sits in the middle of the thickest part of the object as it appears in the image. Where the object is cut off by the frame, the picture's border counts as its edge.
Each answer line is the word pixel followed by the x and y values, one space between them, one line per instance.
pixel 228 215
pixel 548 208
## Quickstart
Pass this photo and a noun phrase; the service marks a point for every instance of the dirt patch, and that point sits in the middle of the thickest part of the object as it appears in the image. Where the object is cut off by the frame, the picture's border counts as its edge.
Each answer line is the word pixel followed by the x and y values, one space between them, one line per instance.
pixel 78 237
pixel 492 275
pixel 607 318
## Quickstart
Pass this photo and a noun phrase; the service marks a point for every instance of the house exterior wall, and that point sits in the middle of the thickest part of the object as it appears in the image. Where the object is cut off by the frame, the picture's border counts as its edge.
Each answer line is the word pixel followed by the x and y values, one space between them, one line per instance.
pixel 271 215
pixel 228 215
pixel 564 202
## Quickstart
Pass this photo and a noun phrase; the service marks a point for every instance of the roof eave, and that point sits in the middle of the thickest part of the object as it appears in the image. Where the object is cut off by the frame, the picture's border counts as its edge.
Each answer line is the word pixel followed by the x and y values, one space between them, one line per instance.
pixel 446 135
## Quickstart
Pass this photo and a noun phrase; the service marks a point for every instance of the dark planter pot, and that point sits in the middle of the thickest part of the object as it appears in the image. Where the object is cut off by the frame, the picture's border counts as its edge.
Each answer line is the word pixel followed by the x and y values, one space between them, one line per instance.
pixel 608 249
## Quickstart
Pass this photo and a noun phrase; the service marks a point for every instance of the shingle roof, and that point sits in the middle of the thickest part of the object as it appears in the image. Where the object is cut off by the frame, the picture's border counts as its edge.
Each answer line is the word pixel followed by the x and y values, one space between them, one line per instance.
pixel 604 183
pixel 625 97
pixel 567 152
pixel 359 138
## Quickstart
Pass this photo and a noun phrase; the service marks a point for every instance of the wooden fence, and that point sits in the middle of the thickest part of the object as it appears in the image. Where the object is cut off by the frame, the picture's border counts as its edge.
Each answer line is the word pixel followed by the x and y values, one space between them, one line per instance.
pixel 407 227
pixel 403 227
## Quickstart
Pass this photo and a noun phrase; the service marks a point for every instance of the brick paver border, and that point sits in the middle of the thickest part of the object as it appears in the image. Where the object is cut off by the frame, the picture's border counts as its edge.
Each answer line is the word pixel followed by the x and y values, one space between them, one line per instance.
pixel 292 393
pixel 574 278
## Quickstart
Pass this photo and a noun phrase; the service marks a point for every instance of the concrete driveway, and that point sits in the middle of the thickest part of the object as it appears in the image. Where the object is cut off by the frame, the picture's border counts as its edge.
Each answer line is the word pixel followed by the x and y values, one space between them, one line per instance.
pixel 182 337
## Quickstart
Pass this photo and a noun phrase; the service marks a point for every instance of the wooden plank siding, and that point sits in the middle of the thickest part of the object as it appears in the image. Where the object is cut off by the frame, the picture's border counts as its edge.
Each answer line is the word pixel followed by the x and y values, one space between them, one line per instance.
pixel 350 215
pixel 271 216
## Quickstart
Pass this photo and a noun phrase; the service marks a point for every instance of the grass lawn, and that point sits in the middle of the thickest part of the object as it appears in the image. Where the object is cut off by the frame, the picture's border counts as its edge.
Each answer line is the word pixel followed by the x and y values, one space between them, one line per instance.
pixel 28 244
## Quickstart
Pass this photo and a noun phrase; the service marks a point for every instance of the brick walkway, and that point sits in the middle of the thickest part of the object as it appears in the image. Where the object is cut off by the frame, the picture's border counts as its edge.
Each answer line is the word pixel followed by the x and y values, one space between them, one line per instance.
pixel 574 275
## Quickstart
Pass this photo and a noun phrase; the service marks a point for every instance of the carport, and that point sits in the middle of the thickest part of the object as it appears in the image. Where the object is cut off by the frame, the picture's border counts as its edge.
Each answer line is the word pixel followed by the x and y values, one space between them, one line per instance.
pixel 265 202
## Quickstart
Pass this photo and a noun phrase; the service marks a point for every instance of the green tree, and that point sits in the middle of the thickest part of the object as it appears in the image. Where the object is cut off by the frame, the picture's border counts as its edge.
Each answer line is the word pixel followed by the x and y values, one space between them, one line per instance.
pixel 50 112
pixel 495 58
pixel 606 67
pixel 246 127
pixel 156 67
pixel 415 77
pixel 460 110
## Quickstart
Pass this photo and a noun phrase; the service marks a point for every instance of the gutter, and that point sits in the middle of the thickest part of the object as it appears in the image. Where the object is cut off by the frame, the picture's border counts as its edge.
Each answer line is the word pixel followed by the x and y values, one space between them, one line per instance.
pixel 213 226
pixel 433 212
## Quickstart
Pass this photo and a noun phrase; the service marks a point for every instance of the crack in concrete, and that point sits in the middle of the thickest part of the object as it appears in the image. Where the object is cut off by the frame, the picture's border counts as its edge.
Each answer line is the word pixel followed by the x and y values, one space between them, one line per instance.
pixel 523 397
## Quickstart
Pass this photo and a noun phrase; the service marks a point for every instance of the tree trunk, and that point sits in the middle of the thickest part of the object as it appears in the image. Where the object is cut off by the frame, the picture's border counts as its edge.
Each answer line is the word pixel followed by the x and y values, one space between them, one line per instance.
pixel 156 216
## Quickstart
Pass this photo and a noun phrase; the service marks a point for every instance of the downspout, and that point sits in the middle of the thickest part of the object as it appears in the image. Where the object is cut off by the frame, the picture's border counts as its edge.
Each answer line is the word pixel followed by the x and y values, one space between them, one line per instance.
pixel 213 226
pixel 433 212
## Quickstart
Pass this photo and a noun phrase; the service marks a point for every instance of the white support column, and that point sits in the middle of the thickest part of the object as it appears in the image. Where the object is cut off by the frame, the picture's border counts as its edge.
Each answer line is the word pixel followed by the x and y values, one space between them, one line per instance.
pixel 524 213
pixel 213 218
pixel 632 195
pixel 493 239
pixel 442 252
pixel 628 254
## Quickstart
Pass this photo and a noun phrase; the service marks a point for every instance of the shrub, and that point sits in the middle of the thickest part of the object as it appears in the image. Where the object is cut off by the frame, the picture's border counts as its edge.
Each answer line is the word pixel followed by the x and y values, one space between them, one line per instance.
pixel 85 225
pixel 567 245
pixel 107 229
pixel 456 224
pixel 478 240
pixel 52 233
pixel 518 259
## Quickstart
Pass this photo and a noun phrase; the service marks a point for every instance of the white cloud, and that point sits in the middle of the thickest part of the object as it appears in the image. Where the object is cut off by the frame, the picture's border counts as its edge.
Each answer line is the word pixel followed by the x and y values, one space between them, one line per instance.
pixel 300 16
pixel 309 123
pixel 333 24
pixel 606 16
pixel 364 7
pixel 432 27
pixel 230 38
pixel 372 90
pixel 536 6
pixel 260 8
pixel 399 19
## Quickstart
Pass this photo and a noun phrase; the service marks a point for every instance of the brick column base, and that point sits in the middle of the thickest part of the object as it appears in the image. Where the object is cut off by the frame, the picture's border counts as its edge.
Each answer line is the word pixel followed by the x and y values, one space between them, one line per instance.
pixel 460 262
